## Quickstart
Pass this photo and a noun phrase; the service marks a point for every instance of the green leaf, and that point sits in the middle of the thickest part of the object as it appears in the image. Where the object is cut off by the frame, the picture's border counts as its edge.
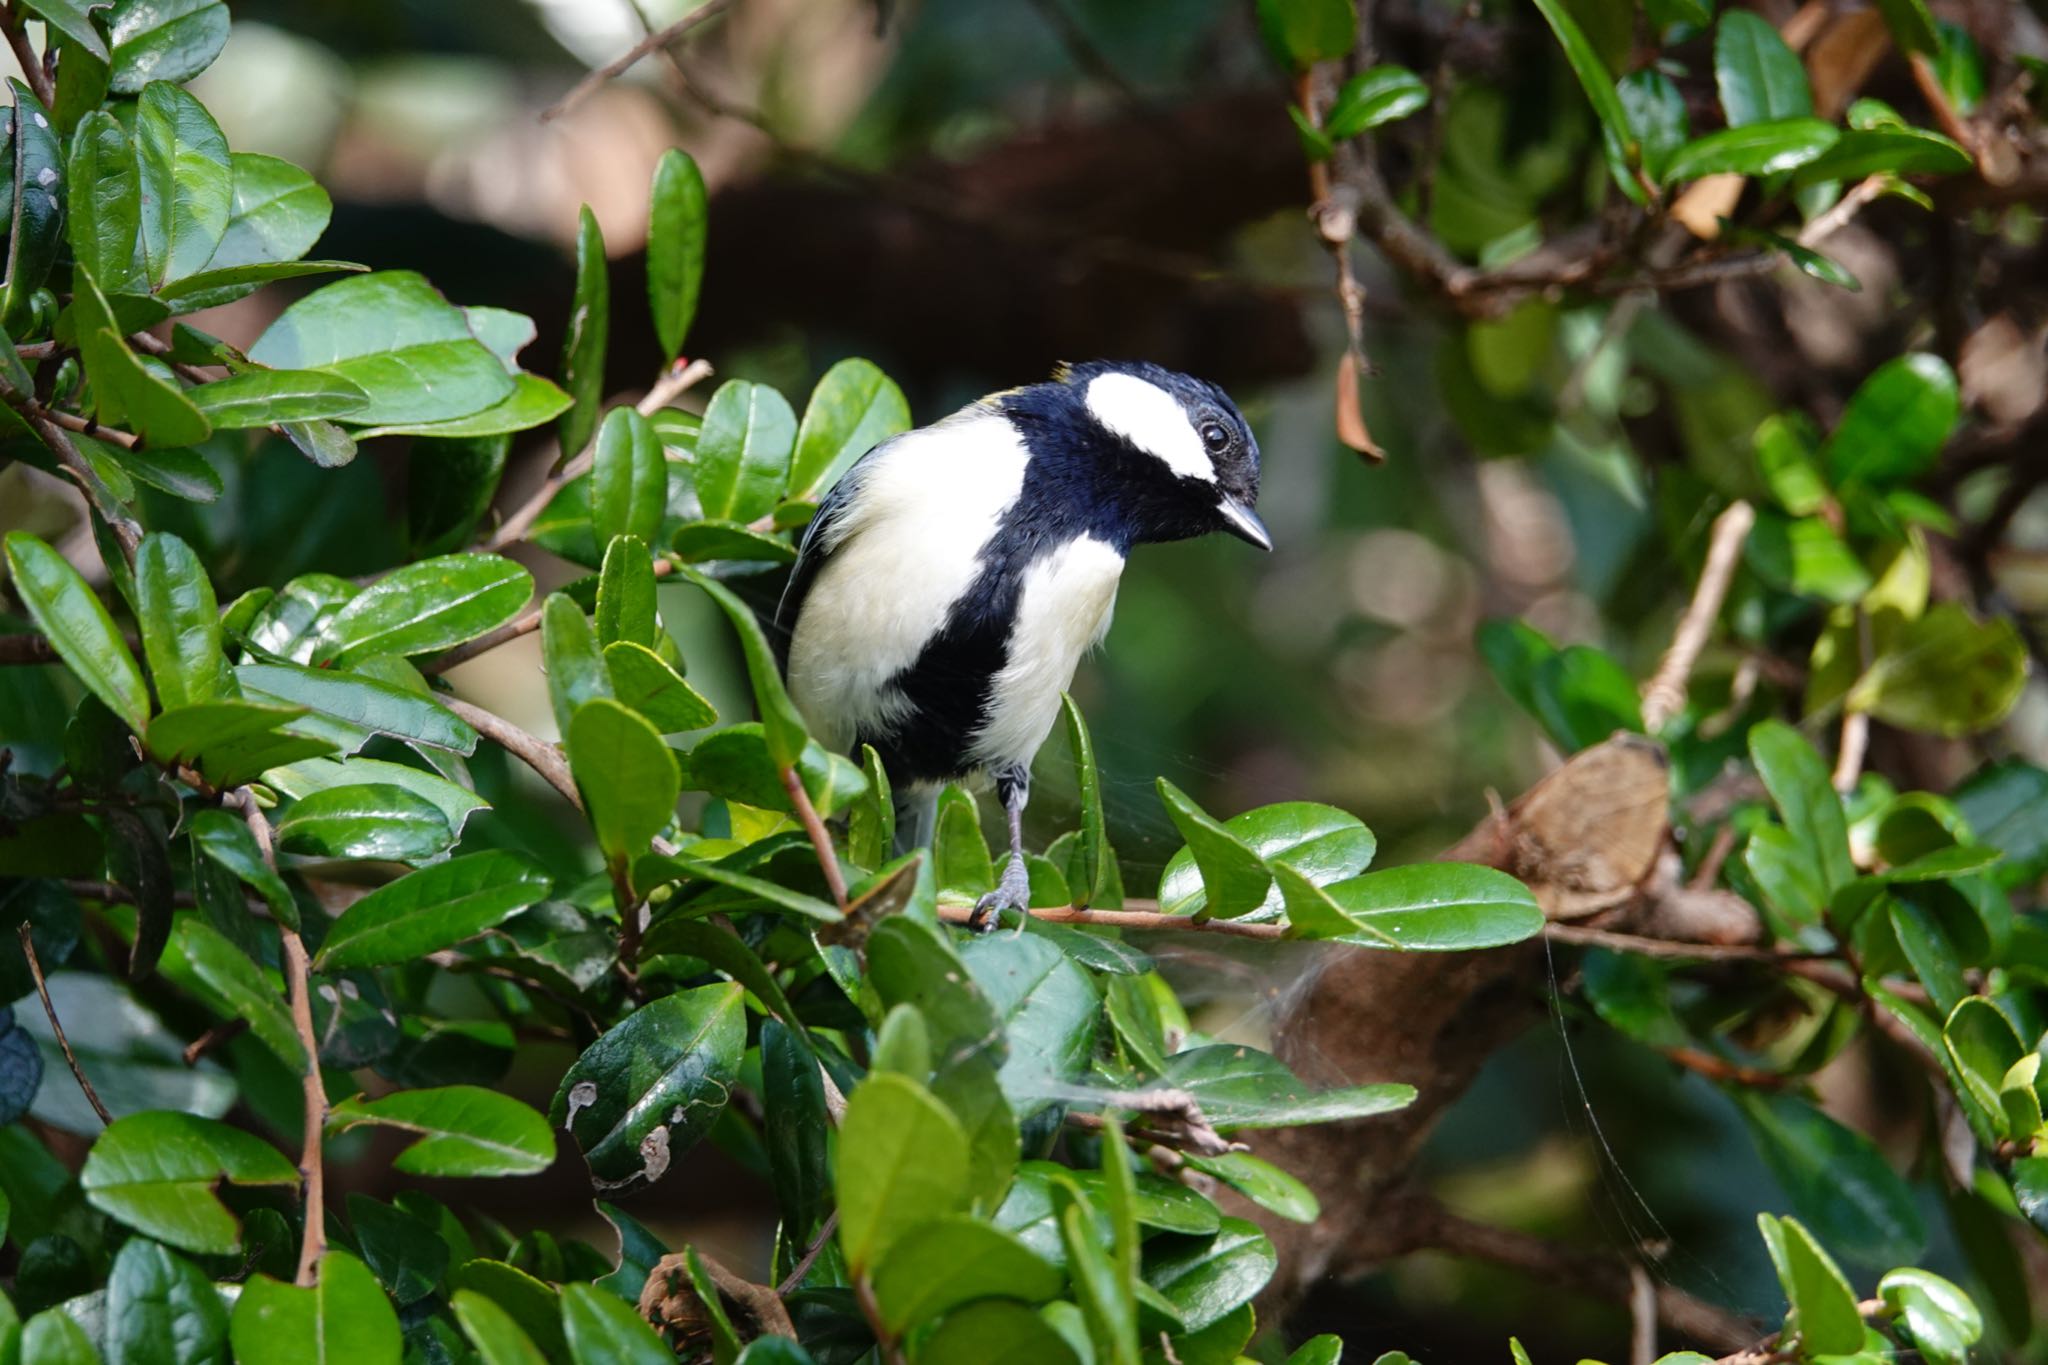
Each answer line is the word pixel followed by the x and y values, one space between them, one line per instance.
pixel 1105 1294
pixel 51 1337
pixel 1896 422
pixel 1945 673
pixel 1207 1278
pixel 625 590
pixel 697 542
pixel 794 1126
pixel 36 185
pixel 781 726
pixel 1329 1350
pixel 1383 94
pixel 2006 806
pixel 187 185
pixel 583 345
pixel 604 1330
pixel 125 390
pixel 643 1093
pixel 678 217
pixel 995 1332
pixel 1911 24
pixel 902 1160
pixel 1595 80
pixel 1095 857
pixel 394 336
pixel 1582 696
pixel 1423 907
pixel 164 40
pixel 157 1171
pixel 1753 149
pixel 307 776
pixel 344 1319
pixel 360 704
pixel 960 858
pixel 1760 79
pixel 180 621
pixel 1657 115
pixel 206 964
pixel 425 606
pixel 533 401
pixel 568 648
pixel 1806 556
pixel 1321 842
pixel 1939 1317
pixel 1823 1306
pixel 73 19
pixel 1982 1046
pixel 78 627
pixel 660 868
pixel 227 840
pixel 105 205
pixel 449 485
pixel 1803 791
pixel 465 1130
pixel 1048 1006
pixel 743 451
pixel 733 762
pixel 277 213
pixel 628 778
pixel 1302 32
pixel 431 909
pixel 496 1336
pixel 641 680
pixel 1836 1179
pixel 629 479
pixel 161 1307
pixel 260 398
pixel 700 942
pixel 854 408
pixel 1241 1087
pixel 375 821
pixel 1263 1183
pixel 1234 878
pixel 937 1266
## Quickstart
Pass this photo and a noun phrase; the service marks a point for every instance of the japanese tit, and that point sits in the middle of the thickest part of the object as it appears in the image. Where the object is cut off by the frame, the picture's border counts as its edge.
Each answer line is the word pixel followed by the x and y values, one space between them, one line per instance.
pixel 953 578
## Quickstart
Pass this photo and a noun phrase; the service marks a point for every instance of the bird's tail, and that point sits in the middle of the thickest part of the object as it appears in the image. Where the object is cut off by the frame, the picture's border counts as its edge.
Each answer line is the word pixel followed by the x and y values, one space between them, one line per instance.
pixel 917 815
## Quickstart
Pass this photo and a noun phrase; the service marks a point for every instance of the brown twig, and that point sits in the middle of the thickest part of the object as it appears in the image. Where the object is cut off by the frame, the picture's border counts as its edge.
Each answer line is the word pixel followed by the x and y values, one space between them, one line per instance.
pixel 1666 692
pixel 821 838
pixel 213 1038
pixel 1132 919
pixel 791 1281
pixel 589 85
pixel 80 472
pixel 1721 1069
pixel 35 969
pixel 676 381
pixel 1664 947
pixel 1642 1312
pixel 32 68
pixel 1855 721
pixel 85 426
pixel 885 1341
pixel 544 758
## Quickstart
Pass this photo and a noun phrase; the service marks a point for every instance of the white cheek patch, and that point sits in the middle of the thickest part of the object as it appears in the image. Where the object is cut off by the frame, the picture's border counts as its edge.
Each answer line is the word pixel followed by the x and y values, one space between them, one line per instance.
pixel 1151 419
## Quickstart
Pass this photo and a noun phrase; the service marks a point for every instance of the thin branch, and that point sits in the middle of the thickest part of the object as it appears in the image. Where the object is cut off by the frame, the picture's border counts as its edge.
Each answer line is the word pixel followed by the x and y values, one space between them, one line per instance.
pixel 1645 946
pixel 32 68
pixel 1722 1070
pixel 791 1281
pixel 213 1038
pixel 1132 919
pixel 1855 722
pixel 80 472
pixel 1642 1311
pixel 85 426
pixel 611 70
pixel 35 969
pixel 534 752
pixel 1665 695
pixel 821 838
pixel 886 1344
pixel 671 386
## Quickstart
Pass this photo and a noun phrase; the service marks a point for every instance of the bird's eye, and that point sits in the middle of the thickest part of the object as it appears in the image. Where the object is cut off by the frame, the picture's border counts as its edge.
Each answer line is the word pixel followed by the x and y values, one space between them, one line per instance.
pixel 1214 436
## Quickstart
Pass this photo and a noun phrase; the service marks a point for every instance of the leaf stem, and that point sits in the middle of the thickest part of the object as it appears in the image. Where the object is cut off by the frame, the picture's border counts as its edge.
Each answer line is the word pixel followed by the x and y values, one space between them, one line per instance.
pixel 821 838
pixel 35 969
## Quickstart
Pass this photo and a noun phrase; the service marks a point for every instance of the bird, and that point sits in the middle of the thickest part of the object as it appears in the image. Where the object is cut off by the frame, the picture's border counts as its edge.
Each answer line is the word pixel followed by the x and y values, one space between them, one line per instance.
pixel 950 582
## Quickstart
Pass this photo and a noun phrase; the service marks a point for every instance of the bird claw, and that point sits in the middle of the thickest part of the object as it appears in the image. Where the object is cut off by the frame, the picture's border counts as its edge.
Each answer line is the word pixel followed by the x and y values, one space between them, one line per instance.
pixel 1013 893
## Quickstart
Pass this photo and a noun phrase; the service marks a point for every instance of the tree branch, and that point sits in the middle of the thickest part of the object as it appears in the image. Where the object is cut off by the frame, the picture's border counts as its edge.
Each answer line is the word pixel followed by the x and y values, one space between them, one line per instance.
pixel 35 969
pixel 1665 695
pixel 32 68
pixel 1132 919
pixel 534 752
pixel 611 70
pixel 821 838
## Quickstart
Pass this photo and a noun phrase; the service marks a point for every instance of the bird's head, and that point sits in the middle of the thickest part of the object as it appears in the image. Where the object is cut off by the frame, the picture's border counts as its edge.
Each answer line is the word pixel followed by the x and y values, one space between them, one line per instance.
pixel 1171 451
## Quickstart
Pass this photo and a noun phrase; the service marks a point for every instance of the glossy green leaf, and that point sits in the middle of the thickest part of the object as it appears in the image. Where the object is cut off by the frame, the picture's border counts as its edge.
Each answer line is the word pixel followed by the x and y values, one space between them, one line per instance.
pixel 743 451
pixel 157 1172
pixel 1321 842
pixel 628 478
pixel 937 1266
pixel 1423 907
pixel 642 681
pixel 646 1091
pixel 1329 1350
pixel 180 621
pixel 1753 149
pixel 370 821
pixel 1594 79
pixel 1656 115
pixel 1823 1306
pixel 1911 24
pixel 1836 1179
pixel 161 1307
pixel 449 485
pixel 628 777
pixel 733 761
pixel 73 18
pixel 660 868
pixel 781 726
pixel 1105 1295
pixel 854 408
pixel 304 777
pixel 343 1319
pixel 53 1337
pixel 491 1329
pixel 794 1125
pixel 678 218
pixel 394 336
pixel 1096 858
pixel 702 941
pixel 1205 1278
pixel 1234 878
pixel 625 590
pixel 1939 1317
pixel 1802 788
pixel 1760 79
pixel 126 391
pixel 259 398
pixel 960 858
pixel 997 1332
pixel 1048 1006
pixel 1300 33
pixel 1381 94
pixel 427 605
pixel 77 625
pixel 583 345
pixel 533 402
pixel 227 840
pixel 164 40
pixel 1982 1046
pixel 361 703
pixel 36 211
pixel 603 1330
pixel 705 541
pixel 277 213
pixel 203 962
pixel 1240 1087
pixel 568 649
pixel 105 209
pixel 1896 422
pixel 902 1160
pixel 464 1130
pixel 431 909
pixel 1945 673
pixel 1263 1183
pixel 187 183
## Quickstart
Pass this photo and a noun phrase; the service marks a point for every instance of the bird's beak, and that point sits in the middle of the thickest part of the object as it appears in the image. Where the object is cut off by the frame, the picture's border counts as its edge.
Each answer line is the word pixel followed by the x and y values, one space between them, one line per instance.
pixel 1243 523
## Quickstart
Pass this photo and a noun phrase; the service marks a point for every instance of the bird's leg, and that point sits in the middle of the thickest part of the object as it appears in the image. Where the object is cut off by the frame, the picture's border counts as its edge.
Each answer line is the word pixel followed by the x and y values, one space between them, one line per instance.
pixel 1013 788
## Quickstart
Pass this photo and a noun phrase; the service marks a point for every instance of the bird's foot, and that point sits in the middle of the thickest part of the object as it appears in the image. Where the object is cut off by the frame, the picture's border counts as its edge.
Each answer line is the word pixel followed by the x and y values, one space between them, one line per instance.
pixel 1012 893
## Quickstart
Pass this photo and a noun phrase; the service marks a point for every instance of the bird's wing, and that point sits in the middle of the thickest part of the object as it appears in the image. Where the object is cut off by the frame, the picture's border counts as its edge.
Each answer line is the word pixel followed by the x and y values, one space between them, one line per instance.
pixel 815 549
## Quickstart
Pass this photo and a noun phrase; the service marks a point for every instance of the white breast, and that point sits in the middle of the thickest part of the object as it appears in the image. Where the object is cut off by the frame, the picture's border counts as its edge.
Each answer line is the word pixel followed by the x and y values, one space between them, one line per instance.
pixel 908 550
pixel 1062 613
